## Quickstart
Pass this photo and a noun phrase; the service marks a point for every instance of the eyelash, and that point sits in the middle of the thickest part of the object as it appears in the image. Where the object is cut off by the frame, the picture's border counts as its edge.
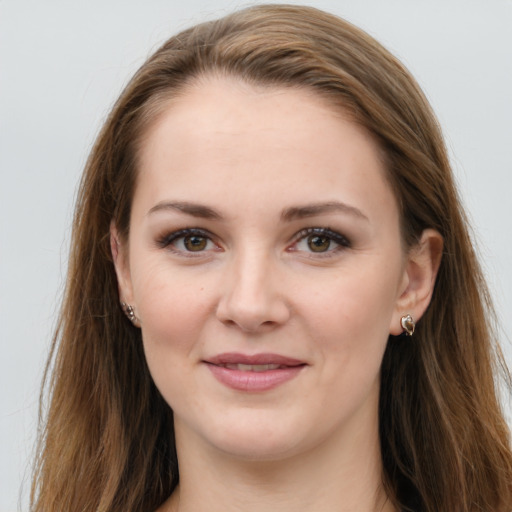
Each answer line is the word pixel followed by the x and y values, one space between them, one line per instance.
pixel 342 242
pixel 168 241
pixel 330 235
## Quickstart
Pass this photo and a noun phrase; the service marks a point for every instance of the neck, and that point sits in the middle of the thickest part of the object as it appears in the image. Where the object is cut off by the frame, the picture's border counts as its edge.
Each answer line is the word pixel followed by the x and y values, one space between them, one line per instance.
pixel 342 478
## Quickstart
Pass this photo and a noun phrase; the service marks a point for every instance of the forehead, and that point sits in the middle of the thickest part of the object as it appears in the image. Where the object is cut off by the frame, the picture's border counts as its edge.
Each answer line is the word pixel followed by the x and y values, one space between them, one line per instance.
pixel 212 106
pixel 259 142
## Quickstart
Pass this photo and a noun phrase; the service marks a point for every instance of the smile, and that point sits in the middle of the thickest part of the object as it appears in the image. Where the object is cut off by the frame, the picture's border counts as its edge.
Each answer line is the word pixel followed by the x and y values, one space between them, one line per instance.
pixel 253 367
pixel 254 373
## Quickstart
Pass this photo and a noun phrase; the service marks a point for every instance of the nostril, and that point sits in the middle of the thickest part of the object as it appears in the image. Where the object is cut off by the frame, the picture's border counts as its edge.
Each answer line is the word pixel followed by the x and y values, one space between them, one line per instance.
pixel 253 319
pixel 250 299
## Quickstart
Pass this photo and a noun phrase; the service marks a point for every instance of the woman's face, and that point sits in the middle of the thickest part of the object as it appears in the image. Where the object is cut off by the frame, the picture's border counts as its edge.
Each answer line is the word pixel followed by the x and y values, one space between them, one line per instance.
pixel 265 265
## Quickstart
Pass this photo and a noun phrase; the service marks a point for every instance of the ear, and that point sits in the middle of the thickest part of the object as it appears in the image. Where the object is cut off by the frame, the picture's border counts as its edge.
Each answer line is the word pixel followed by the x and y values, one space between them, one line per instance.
pixel 121 264
pixel 420 272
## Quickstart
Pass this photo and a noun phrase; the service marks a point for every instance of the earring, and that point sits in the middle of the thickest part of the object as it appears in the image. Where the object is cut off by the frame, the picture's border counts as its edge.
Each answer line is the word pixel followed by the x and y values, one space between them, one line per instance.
pixel 408 325
pixel 129 312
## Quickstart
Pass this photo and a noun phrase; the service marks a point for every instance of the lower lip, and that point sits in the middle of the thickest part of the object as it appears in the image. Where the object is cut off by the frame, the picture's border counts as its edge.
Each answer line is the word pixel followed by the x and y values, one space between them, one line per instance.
pixel 254 381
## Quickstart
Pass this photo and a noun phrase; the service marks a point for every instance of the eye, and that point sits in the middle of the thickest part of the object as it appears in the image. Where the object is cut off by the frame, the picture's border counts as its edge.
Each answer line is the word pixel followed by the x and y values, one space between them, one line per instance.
pixel 318 243
pixel 319 240
pixel 194 243
pixel 190 240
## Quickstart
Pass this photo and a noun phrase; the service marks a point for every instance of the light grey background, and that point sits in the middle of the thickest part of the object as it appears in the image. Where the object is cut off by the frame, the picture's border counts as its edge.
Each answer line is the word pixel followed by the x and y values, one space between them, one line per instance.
pixel 62 64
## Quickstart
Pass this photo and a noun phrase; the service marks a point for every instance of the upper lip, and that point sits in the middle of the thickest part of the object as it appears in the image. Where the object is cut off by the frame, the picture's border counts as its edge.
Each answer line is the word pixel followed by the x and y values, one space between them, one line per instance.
pixel 253 359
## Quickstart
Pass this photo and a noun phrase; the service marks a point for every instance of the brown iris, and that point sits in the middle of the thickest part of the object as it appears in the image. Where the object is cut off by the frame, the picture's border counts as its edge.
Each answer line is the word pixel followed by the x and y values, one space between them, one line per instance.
pixel 195 243
pixel 318 243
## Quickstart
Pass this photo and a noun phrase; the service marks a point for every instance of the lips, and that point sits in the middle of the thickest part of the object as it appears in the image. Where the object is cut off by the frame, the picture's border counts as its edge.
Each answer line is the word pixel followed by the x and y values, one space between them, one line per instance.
pixel 253 367
pixel 253 373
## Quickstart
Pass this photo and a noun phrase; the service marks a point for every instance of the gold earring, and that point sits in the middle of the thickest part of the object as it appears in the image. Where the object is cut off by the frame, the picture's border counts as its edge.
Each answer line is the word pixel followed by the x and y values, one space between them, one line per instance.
pixel 408 325
pixel 129 312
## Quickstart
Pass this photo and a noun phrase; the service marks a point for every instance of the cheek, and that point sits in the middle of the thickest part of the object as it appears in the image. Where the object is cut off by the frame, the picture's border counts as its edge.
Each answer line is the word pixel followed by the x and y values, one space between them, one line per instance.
pixel 173 315
pixel 171 306
pixel 349 320
pixel 354 303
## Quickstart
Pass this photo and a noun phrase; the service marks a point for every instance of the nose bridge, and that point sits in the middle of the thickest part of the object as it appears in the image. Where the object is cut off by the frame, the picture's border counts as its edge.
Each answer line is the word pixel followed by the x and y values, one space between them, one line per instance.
pixel 253 269
pixel 252 297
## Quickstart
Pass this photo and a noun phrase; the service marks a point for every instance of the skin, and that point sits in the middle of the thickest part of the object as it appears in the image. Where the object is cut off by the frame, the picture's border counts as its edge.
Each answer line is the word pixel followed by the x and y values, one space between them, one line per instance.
pixel 255 157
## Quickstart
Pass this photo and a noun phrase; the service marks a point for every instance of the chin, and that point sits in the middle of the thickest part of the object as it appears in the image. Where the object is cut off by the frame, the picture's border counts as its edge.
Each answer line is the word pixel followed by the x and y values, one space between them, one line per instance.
pixel 249 434
pixel 257 439
pixel 258 448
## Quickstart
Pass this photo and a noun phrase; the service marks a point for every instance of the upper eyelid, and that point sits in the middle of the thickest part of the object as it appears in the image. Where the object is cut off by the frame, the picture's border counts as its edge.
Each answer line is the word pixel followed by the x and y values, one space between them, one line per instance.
pixel 328 232
pixel 337 237
pixel 166 240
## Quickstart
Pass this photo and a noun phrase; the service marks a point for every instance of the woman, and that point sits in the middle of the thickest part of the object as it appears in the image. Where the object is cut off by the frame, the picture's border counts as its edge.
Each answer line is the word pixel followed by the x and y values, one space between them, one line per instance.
pixel 273 302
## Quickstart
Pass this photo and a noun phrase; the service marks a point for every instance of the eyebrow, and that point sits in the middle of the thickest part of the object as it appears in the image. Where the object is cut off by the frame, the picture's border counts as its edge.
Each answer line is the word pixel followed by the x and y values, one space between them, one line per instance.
pixel 193 209
pixel 311 210
pixel 289 214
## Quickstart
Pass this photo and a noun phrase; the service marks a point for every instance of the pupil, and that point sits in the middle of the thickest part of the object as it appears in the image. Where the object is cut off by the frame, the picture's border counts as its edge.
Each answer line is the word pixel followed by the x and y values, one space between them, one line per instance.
pixel 195 243
pixel 318 243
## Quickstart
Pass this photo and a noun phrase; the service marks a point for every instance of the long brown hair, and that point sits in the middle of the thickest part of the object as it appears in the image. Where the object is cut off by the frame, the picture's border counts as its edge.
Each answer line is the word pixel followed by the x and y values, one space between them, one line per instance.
pixel 107 443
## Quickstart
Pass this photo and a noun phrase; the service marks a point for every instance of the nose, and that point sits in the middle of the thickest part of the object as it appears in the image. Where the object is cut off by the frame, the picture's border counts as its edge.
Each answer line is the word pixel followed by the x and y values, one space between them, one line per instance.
pixel 253 294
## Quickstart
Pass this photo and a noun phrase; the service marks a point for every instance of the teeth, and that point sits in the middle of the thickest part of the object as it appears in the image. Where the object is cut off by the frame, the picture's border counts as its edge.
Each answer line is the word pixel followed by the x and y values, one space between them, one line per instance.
pixel 253 367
